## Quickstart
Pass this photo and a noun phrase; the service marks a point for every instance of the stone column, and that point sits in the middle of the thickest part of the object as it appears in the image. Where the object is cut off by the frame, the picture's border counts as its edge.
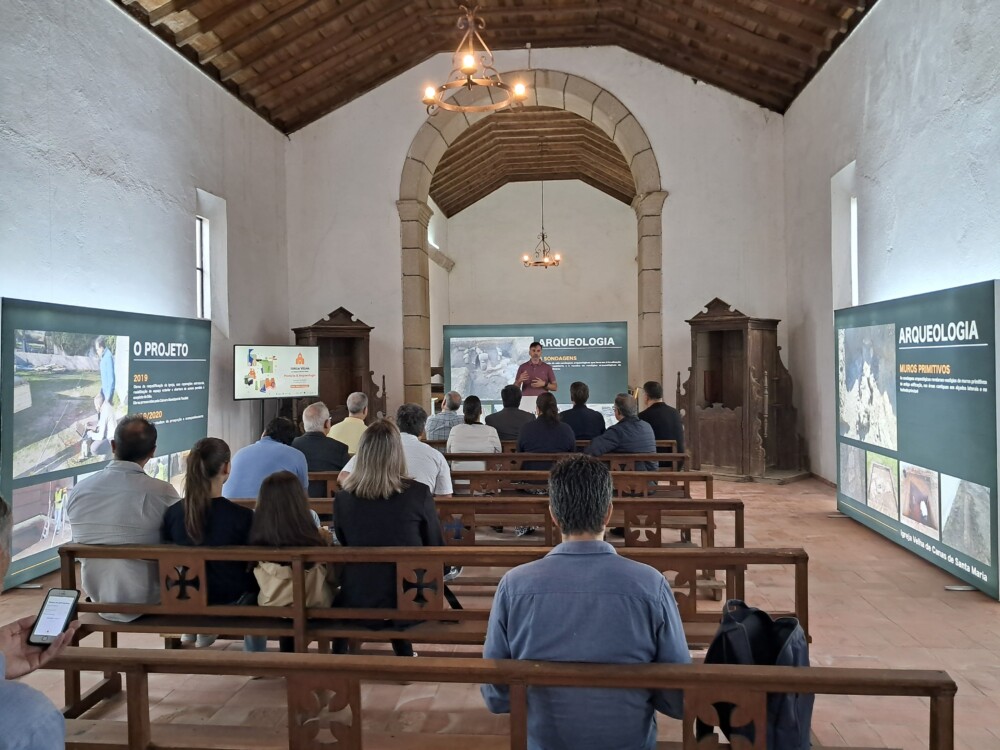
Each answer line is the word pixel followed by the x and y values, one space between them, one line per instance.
pixel 414 217
pixel 648 209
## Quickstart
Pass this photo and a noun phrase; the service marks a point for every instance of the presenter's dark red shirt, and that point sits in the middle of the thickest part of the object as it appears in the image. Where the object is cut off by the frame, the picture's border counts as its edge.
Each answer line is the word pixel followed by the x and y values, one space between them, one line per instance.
pixel 541 370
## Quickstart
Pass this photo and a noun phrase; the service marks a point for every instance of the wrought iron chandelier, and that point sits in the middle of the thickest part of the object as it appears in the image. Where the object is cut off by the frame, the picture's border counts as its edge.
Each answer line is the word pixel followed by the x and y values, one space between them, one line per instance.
pixel 473 66
pixel 542 257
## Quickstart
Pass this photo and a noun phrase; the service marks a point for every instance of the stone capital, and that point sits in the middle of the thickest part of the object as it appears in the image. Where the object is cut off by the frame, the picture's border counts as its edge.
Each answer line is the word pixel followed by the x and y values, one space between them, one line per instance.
pixel 649 204
pixel 414 210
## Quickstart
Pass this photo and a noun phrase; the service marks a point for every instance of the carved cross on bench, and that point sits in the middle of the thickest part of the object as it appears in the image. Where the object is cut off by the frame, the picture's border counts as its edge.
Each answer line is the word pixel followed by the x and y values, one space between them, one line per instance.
pixel 420 588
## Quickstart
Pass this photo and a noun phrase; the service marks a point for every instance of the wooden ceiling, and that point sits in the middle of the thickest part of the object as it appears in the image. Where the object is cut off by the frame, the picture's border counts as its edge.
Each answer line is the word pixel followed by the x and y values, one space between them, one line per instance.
pixel 294 61
pixel 534 143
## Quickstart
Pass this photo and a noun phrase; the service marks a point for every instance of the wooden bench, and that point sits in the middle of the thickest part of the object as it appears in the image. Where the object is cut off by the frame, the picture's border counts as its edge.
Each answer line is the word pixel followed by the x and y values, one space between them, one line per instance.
pixel 510 446
pixel 184 604
pixel 340 711
pixel 626 483
pixel 615 461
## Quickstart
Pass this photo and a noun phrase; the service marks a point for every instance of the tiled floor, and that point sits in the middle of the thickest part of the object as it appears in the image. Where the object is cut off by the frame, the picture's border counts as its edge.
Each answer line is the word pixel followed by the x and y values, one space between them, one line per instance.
pixel 871 604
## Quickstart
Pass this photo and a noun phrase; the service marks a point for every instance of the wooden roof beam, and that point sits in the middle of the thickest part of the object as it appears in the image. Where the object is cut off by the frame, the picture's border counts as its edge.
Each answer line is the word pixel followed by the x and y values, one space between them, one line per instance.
pixel 821 41
pixel 314 25
pixel 209 23
pixel 809 13
pixel 159 14
pixel 255 29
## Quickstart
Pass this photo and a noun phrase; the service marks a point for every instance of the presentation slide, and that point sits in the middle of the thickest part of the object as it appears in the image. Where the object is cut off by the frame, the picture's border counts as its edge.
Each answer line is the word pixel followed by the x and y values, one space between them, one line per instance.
pixel 917 425
pixel 67 375
pixel 481 360
pixel 275 371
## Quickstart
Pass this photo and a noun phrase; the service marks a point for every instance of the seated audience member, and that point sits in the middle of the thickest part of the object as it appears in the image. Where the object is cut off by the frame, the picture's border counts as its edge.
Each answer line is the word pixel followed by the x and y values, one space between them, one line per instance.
pixel 473 436
pixel 282 519
pixel 120 504
pixel 629 435
pixel 349 430
pixel 423 463
pixel 663 418
pixel 587 423
pixel 204 518
pixel 547 434
pixel 28 719
pixel 322 453
pixel 582 602
pixel 381 507
pixel 509 420
pixel 439 425
pixel 257 461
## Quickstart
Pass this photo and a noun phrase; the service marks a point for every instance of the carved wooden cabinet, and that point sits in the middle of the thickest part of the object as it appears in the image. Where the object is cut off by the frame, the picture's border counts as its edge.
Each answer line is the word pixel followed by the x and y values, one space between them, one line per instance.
pixel 344 367
pixel 737 400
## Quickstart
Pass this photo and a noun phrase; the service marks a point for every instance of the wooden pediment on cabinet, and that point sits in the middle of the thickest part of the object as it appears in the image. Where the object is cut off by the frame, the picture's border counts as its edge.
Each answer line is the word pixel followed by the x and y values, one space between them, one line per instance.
pixel 340 322
pixel 718 309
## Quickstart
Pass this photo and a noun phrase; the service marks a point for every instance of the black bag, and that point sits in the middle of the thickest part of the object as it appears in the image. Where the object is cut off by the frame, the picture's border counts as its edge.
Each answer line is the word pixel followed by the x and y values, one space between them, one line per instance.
pixel 750 636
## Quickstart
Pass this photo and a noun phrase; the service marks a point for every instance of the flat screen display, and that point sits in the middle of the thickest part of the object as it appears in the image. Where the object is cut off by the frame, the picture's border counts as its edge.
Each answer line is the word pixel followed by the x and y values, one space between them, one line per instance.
pixel 265 371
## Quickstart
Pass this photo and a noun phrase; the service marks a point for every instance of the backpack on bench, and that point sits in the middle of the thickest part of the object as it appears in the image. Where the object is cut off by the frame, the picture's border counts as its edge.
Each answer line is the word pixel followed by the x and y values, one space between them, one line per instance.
pixel 750 636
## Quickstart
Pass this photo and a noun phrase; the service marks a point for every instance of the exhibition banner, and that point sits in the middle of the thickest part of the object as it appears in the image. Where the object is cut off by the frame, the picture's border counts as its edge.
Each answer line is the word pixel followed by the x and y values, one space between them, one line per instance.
pixel 481 360
pixel 917 425
pixel 275 371
pixel 67 375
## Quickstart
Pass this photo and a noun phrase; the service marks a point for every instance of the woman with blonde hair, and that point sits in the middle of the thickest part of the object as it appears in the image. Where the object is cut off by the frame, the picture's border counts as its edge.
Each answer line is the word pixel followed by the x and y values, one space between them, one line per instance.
pixel 204 518
pixel 380 506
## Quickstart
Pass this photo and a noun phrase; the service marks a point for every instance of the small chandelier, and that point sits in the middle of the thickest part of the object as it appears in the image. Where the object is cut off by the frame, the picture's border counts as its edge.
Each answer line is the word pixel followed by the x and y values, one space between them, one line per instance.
pixel 473 67
pixel 542 257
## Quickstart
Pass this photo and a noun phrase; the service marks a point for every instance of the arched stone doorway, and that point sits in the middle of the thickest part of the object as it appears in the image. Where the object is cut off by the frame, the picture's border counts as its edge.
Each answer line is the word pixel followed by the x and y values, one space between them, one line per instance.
pixel 548 88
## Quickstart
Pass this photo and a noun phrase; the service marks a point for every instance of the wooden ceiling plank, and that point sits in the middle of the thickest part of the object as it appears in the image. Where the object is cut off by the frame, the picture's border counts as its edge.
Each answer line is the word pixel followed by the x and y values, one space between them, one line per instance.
pixel 210 22
pixel 819 41
pixel 258 27
pixel 737 84
pixel 809 13
pixel 528 133
pixel 332 48
pixel 613 164
pixel 782 88
pixel 314 25
pixel 721 27
pixel 328 77
pixel 789 73
pixel 522 10
pixel 159 14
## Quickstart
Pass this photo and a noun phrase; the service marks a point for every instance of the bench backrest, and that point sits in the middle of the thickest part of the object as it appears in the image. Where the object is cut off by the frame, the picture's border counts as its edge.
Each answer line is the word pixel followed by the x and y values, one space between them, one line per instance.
pixel 626 483
pixel 420 586
pixel 339 680
pixel 615 461
pixel 510 446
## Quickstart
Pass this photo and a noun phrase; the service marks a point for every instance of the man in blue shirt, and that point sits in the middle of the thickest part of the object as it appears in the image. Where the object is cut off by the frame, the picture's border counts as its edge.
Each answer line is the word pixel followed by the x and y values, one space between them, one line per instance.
pixel 107 368
pixel 628 435
pixel 584 603
pixel 257 461
pixel 28 719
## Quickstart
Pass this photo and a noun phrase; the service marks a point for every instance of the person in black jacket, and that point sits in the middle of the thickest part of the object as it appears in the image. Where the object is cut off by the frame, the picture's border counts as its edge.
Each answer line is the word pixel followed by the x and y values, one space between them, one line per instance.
pixel 547 434
pixel 381 507
pixel 322 453
pixel 586 423
pixel 663 418
pixel 509 420
pixel 204 518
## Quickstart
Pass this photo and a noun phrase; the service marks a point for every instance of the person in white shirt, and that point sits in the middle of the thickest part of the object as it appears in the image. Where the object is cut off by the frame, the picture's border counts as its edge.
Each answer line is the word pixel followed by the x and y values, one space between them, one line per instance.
pixel 473 436
pixel 423 463
pixel 122 505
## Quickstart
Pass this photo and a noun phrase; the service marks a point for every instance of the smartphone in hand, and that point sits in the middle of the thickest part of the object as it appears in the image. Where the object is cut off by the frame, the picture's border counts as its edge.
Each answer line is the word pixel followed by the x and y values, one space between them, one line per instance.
pixel 54 617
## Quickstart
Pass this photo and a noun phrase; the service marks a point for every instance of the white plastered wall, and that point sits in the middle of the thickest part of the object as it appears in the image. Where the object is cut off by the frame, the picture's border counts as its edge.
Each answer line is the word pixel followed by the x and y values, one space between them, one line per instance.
pixel 438 234
pixel 912 96
pixel 596 282
pixel 720 159
pixel 106 134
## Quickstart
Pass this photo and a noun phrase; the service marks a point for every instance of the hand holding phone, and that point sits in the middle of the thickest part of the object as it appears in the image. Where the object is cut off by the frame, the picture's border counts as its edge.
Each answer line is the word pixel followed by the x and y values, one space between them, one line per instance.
pixel 22 658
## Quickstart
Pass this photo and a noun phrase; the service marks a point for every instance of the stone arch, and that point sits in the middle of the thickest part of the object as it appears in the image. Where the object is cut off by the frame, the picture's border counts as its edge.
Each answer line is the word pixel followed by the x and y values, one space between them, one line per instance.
pixel 547 88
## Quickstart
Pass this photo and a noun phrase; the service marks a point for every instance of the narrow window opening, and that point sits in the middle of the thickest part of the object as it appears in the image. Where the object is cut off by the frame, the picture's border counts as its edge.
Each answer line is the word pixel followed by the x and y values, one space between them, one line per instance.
pixel 203 273
pixel 854 250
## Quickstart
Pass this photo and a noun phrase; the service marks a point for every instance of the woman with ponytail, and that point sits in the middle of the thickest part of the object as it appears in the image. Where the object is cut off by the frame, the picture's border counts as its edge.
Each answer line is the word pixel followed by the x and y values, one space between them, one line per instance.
pixel 204 518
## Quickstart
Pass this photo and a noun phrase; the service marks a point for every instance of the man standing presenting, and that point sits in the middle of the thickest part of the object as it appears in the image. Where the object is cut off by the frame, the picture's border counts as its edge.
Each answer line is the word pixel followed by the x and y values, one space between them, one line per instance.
pixel 107 368
pixel 349 430
pixel 663 418
pixel 535 377
pixel 584 603
pixel 122 505
pixel 439 425
pixel 322 453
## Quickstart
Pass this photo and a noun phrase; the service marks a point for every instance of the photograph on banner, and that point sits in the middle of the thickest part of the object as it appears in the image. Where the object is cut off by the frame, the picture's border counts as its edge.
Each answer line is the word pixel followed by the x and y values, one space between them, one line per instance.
pixel 70 390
